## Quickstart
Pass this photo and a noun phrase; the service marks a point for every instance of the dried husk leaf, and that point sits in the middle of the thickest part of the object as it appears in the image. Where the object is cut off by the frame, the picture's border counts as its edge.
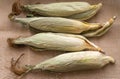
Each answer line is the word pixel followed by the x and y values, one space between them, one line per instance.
pixel 101 31
pixel 56 41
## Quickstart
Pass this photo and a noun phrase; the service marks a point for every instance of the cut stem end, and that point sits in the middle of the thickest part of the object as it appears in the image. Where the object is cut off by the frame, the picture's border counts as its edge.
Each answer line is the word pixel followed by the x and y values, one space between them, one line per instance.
pixel 12 44
pixel 15 66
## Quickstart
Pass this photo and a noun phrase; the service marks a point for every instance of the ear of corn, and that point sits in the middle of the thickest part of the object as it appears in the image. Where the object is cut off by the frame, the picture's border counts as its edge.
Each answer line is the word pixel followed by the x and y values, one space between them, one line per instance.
pixel 75 61
pixel 56 41
pixel 55 24
pixel 75 10
pixel 63 25
pixel 58 9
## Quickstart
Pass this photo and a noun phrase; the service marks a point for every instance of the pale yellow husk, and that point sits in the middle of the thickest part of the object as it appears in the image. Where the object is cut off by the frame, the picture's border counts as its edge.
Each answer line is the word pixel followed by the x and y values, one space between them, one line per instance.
pixel 74 10
pixel 83 60
pixel 57 41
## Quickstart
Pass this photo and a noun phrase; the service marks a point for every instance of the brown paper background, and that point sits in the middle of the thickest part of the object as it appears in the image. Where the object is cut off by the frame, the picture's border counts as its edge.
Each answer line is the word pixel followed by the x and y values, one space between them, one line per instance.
pixel 109 42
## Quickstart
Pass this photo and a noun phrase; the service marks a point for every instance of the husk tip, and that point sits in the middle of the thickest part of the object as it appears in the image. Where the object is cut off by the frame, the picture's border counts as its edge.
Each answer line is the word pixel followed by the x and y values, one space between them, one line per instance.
pixel 111 60
pixel 102 51
pixel 100 4
pixel 112 20
pixel 114 17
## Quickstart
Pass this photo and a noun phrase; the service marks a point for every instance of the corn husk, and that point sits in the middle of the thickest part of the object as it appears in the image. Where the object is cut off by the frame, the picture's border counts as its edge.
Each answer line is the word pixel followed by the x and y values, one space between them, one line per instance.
pixel 56 24
pixel 63 25
pixel 73 61
pixel 55 41
pixel 58 9
pixel 74 10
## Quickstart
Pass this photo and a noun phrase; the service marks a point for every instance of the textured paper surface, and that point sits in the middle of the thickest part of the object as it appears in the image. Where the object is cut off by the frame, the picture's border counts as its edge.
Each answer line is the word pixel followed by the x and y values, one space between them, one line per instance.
pixel 109 42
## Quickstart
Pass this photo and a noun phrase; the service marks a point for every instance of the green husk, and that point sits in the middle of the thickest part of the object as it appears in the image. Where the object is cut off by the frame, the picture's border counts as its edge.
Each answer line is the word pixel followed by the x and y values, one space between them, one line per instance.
pixel 74 61
pixel 55 41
